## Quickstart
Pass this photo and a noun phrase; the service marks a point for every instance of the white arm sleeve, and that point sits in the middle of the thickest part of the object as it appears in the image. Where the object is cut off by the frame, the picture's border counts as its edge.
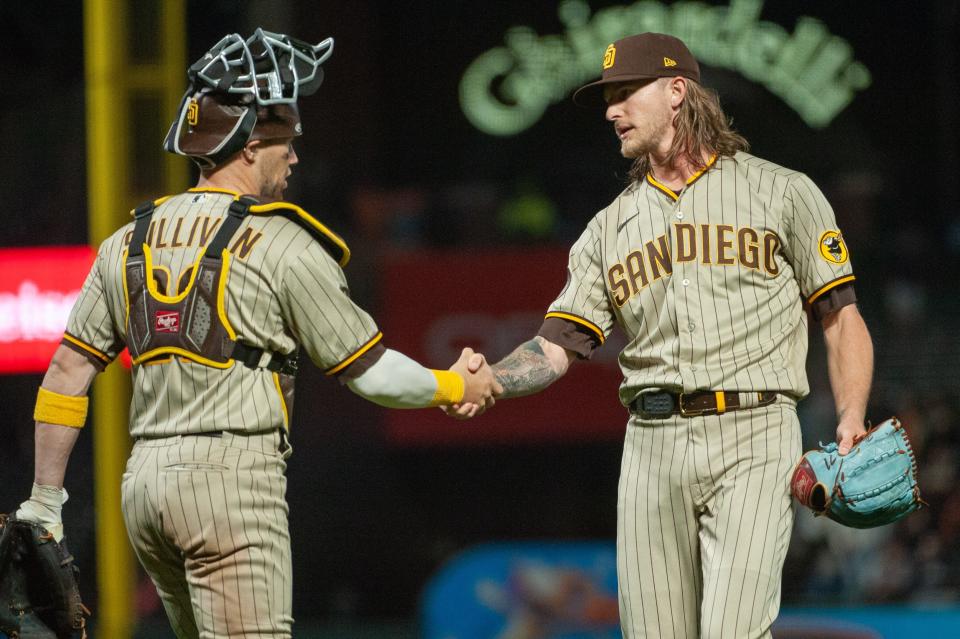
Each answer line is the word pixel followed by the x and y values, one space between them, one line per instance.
pixel 396 381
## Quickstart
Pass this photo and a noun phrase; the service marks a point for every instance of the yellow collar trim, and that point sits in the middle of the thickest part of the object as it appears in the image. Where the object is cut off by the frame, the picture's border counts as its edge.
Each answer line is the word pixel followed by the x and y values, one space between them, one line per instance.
pixel 663 187
pixel 710 162
pixel 693 178
pixel 212 189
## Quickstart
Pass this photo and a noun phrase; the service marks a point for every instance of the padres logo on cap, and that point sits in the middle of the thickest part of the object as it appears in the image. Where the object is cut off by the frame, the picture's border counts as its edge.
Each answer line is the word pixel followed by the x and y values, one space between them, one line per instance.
pixel 832 247
pixel 193 113
pixel 608 56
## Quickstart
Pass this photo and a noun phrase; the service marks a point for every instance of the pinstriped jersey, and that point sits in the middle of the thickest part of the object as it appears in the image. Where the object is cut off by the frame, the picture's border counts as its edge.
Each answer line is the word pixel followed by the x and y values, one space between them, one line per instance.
pixel 283 289
pixel 709 284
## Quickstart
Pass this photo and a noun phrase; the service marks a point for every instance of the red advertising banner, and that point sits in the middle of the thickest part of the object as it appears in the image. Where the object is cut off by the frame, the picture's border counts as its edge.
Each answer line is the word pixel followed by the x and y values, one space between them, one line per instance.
pixel 436 303
pixel 38 287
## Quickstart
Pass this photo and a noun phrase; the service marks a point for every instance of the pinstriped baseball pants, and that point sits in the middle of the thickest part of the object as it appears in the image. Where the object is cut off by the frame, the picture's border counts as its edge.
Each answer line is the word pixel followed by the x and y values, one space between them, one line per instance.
pixel 207 517
pixel 703 522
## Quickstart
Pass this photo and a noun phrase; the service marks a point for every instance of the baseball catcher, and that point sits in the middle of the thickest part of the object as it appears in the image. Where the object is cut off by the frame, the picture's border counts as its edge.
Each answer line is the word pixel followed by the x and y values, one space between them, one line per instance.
pixel 872 485
pixel 39 598
pixel 214 326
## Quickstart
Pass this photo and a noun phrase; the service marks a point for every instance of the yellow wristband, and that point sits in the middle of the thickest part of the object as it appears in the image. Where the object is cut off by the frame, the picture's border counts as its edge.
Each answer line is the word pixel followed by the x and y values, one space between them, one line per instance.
pixel 63 410
pixel 449 388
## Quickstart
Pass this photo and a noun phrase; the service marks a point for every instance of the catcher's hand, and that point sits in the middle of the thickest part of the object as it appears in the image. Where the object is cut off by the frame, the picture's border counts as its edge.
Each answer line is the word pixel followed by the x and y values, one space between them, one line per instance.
pixel 44 507
pixel 872 485
pixel 39 597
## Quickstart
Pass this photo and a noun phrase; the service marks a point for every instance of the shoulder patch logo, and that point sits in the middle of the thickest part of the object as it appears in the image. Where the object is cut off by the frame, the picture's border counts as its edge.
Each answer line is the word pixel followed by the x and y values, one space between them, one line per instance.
pixel 832 247
pixel 193 113
pixel 609 56
pixel 669 62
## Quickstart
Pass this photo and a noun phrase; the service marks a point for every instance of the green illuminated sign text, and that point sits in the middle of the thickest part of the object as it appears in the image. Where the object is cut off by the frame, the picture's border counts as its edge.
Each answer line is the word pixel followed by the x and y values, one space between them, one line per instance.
pixel 507 89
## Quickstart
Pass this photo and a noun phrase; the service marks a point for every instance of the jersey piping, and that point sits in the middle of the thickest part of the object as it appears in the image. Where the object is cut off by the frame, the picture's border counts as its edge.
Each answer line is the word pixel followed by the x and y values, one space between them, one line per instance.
pixel 90 350
pixel 283 402
pixel 579 320
pixel 355 356
pixel 827 287
pixel 693 178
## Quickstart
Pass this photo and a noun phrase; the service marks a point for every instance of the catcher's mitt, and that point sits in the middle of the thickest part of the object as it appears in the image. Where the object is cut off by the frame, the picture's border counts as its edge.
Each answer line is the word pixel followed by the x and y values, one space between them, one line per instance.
pixel 39 598
pixel 872 485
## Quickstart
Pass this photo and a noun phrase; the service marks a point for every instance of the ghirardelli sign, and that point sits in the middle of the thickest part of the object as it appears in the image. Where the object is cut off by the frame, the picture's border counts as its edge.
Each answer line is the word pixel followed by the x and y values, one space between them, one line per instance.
pixel 506 89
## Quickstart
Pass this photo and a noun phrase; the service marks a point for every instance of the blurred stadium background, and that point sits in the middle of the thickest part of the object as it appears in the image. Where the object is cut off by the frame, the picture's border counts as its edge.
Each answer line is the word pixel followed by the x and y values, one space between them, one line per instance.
pixel 459 227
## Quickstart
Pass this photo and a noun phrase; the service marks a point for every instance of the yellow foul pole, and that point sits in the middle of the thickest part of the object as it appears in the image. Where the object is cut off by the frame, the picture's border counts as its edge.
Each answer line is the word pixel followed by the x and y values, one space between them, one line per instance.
pixel 112 123
pixel 107 150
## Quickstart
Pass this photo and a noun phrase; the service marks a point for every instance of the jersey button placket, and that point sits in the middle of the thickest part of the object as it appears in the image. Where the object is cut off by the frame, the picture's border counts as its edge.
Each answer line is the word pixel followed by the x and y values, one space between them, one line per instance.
pixel 684 296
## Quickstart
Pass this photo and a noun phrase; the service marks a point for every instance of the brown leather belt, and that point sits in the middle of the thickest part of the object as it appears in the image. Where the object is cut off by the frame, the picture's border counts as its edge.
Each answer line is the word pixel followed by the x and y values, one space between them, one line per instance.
pixel 664 404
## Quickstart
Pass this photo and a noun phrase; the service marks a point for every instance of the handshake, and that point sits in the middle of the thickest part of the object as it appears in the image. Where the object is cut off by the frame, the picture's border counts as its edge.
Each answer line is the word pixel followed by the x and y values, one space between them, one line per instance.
pixel 480 388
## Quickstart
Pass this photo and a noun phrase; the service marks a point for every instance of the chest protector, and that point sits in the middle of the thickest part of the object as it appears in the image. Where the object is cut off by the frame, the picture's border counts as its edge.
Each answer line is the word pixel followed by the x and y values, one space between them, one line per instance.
pixel 191 323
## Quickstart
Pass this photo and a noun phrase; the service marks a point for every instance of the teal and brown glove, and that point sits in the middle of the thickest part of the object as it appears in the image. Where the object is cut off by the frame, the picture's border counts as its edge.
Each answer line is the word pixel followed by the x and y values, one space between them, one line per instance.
pixel 872 485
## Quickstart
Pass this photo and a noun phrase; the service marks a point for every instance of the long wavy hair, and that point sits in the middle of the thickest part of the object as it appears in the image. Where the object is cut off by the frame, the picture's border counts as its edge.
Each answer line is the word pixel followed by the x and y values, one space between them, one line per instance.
pixel 702 128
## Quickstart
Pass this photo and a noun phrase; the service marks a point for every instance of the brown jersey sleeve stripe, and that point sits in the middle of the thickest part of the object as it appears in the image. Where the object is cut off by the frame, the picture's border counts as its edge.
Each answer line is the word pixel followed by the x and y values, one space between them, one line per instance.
pixel 579 320
pixel 835 283
pixel 363 349
pixel 835 299
pixel 85 349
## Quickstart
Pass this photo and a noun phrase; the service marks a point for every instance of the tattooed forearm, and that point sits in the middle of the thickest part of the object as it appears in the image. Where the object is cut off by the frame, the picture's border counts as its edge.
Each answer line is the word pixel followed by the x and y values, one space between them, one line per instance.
pixel 525 371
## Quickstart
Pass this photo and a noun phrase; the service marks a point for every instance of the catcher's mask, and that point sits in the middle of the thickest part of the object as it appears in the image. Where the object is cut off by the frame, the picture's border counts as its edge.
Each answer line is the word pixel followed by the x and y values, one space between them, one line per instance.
pixel 243 90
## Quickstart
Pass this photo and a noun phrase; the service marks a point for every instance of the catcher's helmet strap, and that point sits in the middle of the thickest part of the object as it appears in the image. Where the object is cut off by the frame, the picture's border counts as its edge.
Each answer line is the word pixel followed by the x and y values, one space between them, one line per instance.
pixel 142 214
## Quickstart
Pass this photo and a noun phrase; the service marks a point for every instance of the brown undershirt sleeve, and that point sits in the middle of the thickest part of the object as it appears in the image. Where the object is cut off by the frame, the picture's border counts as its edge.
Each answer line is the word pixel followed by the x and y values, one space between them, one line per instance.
pixel 833 300
pixel 570 335
pixel 362 364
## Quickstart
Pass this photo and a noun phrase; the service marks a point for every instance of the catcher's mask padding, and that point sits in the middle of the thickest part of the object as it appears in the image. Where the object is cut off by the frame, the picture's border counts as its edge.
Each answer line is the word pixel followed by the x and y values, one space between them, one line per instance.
pixel 243 90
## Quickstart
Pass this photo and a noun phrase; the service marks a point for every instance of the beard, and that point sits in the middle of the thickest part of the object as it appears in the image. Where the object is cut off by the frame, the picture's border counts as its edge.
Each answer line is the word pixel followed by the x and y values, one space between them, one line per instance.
pixel 272 185
pixel 643 141
pixel 272 191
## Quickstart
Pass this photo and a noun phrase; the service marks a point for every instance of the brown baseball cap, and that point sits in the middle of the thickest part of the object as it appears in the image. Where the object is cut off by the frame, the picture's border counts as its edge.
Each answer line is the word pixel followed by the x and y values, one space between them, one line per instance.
pixel 645 55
